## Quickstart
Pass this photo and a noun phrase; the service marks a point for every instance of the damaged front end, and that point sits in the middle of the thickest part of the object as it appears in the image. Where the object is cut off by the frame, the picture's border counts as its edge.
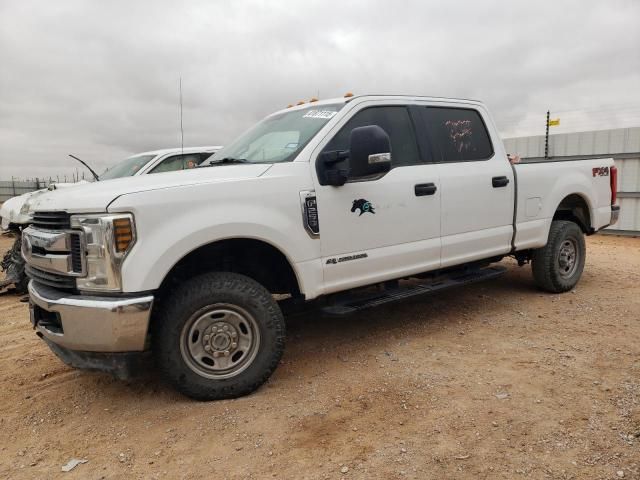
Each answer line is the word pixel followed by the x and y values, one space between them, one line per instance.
pixel 13 266
pixel 16 215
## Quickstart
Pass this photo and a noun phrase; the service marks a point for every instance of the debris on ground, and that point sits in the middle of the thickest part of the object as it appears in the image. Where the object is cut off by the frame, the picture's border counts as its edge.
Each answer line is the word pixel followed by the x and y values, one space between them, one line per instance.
pixel 73 463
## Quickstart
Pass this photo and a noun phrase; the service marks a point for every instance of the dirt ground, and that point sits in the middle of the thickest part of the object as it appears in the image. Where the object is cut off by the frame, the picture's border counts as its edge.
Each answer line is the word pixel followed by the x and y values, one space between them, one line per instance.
pixel 493 380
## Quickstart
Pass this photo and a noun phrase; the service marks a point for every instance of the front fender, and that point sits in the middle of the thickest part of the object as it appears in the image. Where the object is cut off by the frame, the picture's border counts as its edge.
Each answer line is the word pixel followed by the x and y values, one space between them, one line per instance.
pixel 169 226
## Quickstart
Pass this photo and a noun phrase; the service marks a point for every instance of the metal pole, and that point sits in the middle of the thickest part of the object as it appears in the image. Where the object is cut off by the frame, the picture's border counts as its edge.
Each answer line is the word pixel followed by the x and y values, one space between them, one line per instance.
pixel 13 184
pixel 546 139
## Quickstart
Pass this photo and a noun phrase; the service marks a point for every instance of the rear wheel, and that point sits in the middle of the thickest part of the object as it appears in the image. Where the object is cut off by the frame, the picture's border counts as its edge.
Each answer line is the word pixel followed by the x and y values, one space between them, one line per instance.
pixel 219 335
pixel 557 267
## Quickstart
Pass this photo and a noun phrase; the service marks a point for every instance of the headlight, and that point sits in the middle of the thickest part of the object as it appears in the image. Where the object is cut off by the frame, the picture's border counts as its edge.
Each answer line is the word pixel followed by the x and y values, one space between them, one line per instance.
pixel 108 239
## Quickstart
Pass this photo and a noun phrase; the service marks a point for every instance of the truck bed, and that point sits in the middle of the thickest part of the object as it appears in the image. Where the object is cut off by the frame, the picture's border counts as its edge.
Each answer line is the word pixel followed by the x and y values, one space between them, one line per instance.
pixel 542 186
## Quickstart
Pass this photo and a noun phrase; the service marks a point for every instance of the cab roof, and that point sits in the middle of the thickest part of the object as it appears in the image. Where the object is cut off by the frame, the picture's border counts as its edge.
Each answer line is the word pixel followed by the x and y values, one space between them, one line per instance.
pixel 166 151
pixel 333 101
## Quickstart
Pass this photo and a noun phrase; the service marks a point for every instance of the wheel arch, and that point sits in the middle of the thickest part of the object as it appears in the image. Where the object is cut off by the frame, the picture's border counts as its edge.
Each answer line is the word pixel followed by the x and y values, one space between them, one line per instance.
pixel 255 258
pixel 576 208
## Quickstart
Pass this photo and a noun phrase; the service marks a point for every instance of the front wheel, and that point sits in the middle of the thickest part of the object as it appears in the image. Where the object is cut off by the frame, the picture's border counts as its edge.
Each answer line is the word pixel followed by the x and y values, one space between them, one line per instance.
pixel 558 265
pixel 219 335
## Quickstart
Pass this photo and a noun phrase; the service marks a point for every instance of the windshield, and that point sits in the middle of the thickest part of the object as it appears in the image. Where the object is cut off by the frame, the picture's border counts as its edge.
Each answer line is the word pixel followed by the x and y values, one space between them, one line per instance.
pixel 126 168
pixel 279 138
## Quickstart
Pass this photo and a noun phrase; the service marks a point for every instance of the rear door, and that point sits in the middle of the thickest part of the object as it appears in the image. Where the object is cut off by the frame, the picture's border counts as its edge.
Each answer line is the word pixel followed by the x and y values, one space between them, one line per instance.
pixel 373 229
pixel 476 181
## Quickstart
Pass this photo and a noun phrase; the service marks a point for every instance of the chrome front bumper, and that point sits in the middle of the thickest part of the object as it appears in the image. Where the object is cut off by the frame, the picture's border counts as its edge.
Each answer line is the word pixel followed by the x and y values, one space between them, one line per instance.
pixel 90 323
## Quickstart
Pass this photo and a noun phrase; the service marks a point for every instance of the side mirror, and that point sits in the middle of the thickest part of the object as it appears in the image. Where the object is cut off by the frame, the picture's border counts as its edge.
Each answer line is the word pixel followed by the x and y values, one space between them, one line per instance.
pixel 369 154
pixel 369 151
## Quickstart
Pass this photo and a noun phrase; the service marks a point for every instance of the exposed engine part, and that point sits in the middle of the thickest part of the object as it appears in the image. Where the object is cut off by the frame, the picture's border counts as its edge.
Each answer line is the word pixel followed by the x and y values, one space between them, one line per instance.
pixel 13 267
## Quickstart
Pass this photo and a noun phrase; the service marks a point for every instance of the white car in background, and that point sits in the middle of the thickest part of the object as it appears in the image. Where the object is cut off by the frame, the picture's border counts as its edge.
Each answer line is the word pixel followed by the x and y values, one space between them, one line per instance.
pixel 15 213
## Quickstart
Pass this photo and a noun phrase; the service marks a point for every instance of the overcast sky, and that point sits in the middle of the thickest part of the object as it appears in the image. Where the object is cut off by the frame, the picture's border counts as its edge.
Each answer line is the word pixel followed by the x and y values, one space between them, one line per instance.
pixel 100 78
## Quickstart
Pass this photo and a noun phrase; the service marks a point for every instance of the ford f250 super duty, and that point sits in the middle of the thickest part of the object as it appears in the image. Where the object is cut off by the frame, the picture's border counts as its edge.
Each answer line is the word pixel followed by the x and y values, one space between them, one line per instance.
pixel 346 203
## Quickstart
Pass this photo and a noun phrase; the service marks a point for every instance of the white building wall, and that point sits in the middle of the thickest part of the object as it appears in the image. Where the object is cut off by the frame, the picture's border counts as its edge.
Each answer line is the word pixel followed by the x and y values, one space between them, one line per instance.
pixel 598 142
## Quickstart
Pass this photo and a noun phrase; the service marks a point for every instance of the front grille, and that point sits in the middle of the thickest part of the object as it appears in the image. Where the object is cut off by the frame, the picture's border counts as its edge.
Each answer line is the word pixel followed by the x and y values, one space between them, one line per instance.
pixel 52 220
pixel 54 280
pixel 76 252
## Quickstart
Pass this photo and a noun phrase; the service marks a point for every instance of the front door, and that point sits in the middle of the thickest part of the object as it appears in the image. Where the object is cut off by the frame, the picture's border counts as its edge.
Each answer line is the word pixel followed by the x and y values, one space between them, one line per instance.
pixel 376 229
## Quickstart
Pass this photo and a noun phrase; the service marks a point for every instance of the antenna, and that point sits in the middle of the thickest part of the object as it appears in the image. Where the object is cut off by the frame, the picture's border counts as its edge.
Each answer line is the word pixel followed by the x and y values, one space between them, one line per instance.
pixel 181 129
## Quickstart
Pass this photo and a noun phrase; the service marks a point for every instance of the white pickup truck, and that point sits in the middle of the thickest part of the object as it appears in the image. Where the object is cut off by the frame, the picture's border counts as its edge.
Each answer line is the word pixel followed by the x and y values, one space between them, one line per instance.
pixel 338 202
pixel 15 213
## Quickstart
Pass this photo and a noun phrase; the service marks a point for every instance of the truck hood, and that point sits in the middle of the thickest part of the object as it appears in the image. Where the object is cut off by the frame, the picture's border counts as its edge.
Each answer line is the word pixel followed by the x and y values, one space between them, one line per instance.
pixel 95 197
pixel 16 210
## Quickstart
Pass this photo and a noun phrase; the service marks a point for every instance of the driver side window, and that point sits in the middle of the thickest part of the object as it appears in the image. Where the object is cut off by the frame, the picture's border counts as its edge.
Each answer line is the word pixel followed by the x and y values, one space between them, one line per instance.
pixel 395 121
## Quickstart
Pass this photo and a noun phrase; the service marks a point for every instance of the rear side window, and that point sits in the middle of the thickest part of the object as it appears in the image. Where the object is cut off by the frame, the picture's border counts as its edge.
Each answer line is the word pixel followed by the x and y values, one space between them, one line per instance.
pixel 393 120
pixel 458 134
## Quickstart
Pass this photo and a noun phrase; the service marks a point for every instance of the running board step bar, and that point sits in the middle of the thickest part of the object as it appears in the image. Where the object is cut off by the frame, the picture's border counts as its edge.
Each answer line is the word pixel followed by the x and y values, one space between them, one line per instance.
pixel 351 305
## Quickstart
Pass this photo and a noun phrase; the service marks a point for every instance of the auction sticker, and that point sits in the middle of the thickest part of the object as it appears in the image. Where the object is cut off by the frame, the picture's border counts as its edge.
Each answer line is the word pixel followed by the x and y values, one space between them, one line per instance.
pixel 320 114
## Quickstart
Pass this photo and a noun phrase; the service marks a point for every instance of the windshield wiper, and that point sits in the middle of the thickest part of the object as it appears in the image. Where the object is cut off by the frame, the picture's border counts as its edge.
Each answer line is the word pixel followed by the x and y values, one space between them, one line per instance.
pixel 228 160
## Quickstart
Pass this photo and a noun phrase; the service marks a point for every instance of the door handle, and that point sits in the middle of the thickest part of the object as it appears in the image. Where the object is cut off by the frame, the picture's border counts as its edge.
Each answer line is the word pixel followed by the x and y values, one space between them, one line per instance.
pixel 423 189
pixel 498 182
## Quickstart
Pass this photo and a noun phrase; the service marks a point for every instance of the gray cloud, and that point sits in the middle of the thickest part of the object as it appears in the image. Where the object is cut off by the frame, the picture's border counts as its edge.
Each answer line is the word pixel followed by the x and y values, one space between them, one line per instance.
pixel 100 79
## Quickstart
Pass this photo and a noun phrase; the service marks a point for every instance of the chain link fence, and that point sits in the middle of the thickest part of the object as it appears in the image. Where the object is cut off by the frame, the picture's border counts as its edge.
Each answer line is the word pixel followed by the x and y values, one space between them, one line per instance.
pixel 13 188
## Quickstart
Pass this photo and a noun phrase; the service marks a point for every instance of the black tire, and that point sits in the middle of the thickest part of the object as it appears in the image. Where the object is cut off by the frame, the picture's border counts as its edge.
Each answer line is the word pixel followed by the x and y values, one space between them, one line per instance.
pixel 179 330
pixel 22 285
pixel 558 265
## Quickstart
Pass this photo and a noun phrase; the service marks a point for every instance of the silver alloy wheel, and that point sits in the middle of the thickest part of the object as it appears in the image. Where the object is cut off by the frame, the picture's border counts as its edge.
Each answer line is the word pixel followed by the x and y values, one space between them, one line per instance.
pixel 568 258
pixel 220 341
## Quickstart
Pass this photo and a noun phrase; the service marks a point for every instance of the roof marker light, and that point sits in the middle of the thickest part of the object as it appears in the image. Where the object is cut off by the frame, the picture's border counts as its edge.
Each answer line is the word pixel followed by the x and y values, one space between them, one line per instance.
pixel 348 95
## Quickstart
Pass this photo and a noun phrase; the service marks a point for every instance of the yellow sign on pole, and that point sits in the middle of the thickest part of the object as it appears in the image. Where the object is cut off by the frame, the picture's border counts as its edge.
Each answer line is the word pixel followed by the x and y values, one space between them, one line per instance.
pixel 554 123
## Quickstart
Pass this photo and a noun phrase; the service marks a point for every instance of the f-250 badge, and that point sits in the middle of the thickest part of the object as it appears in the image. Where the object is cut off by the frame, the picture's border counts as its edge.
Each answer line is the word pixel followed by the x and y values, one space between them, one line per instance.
pixel 362 205
pixel 601 171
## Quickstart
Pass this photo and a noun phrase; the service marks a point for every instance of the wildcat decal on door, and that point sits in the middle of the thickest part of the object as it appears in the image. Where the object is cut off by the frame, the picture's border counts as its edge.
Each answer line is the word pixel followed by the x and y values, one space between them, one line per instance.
pixel 362 205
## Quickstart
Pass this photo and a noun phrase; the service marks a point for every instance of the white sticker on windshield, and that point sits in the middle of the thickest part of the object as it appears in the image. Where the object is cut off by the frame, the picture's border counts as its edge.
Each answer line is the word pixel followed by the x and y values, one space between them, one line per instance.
pixel 320 114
